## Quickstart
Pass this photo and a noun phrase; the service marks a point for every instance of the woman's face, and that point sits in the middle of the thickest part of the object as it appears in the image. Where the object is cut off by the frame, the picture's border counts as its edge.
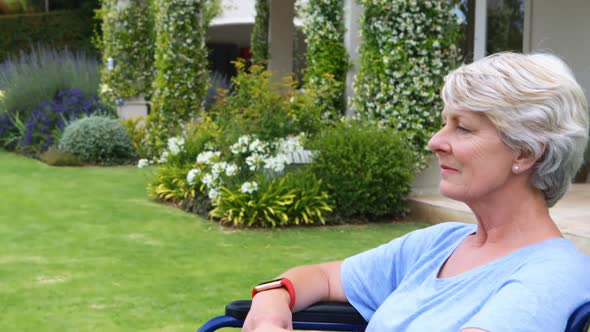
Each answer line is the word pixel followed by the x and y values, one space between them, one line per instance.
pixel 473 159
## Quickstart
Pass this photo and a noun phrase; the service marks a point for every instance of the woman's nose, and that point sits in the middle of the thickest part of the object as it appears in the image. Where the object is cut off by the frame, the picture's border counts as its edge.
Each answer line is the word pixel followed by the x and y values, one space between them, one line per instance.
pixel 438 142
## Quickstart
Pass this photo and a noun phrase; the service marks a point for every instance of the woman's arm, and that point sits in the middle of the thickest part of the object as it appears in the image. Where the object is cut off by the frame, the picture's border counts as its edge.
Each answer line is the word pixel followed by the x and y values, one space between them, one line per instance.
pixel 312 283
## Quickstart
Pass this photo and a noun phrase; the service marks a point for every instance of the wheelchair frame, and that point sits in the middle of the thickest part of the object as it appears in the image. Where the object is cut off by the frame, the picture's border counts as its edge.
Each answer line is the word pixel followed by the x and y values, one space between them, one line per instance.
pixel 331 316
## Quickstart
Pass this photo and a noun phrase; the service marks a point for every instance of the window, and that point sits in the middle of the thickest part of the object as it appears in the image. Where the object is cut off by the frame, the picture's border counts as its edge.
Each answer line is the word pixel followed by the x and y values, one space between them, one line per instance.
pixel 505 26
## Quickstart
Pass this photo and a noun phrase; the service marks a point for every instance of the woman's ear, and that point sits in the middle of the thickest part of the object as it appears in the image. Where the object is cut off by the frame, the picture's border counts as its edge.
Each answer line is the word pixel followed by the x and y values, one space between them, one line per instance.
pixel 525 160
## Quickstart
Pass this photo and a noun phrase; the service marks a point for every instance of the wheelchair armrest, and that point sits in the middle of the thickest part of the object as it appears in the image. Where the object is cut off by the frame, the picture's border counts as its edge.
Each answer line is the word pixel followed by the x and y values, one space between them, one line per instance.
pixel 579 320
pixel 333 316
pixel 322 312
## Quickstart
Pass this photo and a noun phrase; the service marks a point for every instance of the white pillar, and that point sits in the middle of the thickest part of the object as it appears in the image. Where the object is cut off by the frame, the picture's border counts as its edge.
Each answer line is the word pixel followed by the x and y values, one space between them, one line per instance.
pixel 526 33
pixel 123 4
pixel 352 39
pixel 280 37
pixel 480 33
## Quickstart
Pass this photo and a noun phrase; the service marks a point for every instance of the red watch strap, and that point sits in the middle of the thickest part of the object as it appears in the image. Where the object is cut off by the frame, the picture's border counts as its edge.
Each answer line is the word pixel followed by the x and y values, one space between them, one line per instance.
pixel 283 283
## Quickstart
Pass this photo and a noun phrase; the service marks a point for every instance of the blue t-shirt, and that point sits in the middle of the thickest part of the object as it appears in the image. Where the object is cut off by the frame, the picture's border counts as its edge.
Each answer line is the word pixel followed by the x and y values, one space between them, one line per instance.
pixel 395 286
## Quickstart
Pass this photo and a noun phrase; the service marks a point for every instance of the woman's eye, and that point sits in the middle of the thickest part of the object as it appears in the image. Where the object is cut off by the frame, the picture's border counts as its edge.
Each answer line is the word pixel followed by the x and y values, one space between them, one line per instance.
pixel 463 129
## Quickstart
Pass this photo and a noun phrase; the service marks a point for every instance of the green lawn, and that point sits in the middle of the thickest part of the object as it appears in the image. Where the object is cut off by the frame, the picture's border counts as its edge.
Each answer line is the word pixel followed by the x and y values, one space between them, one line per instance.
pixel 85 249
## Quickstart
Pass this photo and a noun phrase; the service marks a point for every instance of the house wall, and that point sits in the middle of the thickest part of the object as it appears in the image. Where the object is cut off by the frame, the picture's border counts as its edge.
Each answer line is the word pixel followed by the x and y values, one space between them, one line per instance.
pixel 561 27
pixel 280 37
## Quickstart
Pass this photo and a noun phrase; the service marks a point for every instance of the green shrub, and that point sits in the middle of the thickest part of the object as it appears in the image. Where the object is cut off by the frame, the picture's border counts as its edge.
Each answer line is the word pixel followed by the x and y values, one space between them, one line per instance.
pixel 169 184
pixel 366 169
pixel 258 106
pixel 248 136
pixel 57 157
pixel 310 203
pixel 137 133
pixel 217 81
pixel 98 140
pixel 258 203
pixel 199 136
pixel 273 201
pixel 182 150
pixel 68 28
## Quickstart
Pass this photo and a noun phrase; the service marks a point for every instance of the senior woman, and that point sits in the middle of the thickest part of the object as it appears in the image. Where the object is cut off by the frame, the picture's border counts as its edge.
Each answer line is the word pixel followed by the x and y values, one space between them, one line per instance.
pixel 515 128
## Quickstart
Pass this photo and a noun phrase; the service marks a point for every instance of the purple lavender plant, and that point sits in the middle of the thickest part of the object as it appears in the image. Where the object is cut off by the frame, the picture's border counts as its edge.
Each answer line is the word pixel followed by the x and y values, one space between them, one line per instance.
pixel 45 125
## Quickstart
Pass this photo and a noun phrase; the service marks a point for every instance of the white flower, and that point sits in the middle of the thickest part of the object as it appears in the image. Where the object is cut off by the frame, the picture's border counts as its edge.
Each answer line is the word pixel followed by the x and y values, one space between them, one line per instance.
pixel 206 156
pixel 142 163
pixel 218 168
pixel 276 163
pixel 105 89
pixel 163 157
pixel 213 193
pixel 208 180
pixel 249 187
pixel 190 177
pixel 244 140
pixel 257 146
pixel 241 145
pixel 175 144
pixel 254 161
pixel 290 144
pixel 231 169
pixel 436 44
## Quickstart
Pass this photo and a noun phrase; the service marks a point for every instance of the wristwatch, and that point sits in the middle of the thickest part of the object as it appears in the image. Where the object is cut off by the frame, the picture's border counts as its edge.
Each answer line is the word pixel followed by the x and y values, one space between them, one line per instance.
pixel 277 283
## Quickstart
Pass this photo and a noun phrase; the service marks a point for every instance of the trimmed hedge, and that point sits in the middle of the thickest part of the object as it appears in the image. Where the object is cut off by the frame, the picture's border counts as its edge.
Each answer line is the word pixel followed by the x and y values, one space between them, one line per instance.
pixel 57 29
pixel 98 140
pixel 365 169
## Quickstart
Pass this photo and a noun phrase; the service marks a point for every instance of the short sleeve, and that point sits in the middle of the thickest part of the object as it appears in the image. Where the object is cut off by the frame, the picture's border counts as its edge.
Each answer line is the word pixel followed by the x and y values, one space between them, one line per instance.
pixel 370 277
pixel 366 291
pixel 537 301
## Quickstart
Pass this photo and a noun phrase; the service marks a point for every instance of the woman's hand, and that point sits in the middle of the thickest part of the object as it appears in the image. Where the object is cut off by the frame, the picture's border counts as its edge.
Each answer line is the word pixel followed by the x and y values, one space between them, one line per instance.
pixel 270 328
pixel 269 312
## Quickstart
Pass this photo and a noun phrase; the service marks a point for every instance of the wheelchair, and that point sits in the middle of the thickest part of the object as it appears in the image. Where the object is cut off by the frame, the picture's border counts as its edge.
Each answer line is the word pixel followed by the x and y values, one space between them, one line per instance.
pixel 332 316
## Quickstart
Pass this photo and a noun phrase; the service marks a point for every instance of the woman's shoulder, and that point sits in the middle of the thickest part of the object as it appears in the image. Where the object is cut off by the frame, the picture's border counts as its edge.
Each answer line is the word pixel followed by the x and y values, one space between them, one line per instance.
pixel 556 260
pixel 559 250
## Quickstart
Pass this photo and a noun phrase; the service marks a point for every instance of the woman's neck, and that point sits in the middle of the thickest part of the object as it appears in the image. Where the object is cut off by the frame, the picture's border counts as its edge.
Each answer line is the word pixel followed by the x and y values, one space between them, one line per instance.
pixel 513 219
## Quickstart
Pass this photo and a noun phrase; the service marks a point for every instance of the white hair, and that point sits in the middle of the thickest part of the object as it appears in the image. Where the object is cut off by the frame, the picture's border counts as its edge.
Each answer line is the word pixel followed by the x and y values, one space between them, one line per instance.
pixel 537 106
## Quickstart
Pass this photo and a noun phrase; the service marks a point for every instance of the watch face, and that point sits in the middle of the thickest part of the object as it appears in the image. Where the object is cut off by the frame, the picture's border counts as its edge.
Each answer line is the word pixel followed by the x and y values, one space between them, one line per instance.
pixel 269 285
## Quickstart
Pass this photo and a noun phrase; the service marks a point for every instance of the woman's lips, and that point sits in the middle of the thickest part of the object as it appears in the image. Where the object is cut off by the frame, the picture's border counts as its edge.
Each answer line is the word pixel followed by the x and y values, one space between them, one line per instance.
pixel 444 169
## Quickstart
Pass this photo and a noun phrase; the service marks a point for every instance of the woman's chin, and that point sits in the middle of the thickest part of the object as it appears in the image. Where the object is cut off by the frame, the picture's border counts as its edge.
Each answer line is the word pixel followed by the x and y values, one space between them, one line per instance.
pixel 448 192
